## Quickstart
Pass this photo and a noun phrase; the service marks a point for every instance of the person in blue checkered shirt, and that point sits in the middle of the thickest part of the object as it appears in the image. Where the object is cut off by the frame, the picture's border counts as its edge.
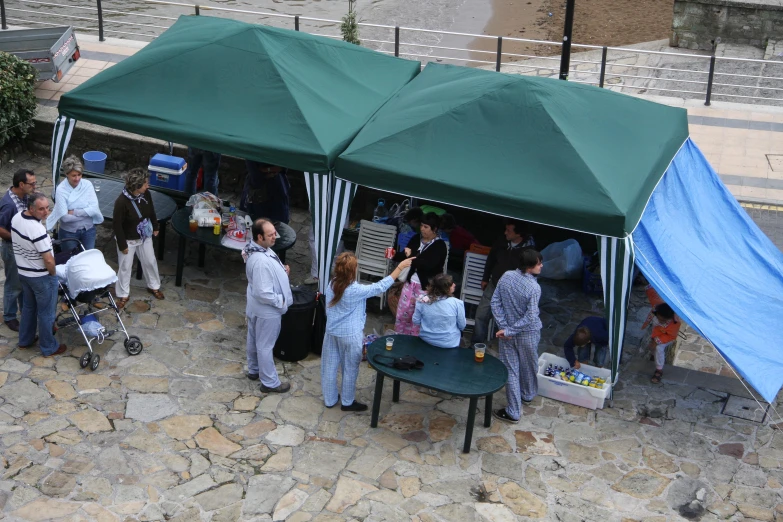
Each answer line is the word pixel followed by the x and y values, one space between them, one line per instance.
pixel 515 308
pixel 346 303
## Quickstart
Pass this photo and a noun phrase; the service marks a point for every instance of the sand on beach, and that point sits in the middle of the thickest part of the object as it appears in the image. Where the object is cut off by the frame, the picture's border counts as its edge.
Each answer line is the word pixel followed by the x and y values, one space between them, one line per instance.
pixel 596 22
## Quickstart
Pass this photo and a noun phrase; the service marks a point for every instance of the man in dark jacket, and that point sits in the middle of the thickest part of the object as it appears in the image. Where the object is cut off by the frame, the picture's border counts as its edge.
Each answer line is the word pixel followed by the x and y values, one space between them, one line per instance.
pixel 13 202
pixel 503 257
pixel 266 191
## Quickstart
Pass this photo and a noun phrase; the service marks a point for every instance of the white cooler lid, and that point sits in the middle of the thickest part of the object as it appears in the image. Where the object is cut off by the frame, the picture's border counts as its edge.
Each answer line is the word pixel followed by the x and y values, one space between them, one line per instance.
pixel 164 170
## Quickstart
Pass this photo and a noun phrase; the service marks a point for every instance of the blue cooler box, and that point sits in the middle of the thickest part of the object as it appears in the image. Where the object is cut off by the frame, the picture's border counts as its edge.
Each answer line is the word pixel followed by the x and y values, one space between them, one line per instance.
pixel 168 172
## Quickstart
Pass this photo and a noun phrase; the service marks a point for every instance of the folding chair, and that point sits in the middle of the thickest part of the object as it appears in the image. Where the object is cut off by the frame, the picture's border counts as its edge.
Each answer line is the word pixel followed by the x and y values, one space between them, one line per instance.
pixel 471 284
pixel 374 239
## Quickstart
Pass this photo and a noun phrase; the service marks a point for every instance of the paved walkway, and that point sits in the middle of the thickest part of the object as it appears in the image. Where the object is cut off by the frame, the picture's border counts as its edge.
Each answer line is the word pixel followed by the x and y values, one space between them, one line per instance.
pixel 177 433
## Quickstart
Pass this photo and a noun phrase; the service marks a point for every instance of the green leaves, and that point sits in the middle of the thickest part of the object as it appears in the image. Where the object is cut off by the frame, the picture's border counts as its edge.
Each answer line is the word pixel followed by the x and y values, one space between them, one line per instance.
pixel 17 97
pixel 350 26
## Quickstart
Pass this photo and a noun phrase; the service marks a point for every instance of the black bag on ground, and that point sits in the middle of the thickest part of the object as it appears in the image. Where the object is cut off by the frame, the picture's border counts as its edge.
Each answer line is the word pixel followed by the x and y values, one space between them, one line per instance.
pixel 296 326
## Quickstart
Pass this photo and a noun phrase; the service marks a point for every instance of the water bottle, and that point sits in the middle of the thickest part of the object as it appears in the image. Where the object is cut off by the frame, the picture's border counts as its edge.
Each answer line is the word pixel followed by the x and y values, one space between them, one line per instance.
pixel 380 214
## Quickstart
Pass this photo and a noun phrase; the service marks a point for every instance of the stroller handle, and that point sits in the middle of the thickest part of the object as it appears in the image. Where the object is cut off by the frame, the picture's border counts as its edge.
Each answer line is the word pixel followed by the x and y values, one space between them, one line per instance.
pixel 59 242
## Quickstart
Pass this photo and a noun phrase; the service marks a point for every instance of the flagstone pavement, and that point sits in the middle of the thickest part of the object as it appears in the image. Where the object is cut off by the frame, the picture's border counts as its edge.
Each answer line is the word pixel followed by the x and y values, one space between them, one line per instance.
pixel 178 433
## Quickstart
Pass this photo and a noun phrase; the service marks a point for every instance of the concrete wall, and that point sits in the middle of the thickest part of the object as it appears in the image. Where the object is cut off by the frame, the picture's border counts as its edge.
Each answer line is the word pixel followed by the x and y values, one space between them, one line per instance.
pixel 697 23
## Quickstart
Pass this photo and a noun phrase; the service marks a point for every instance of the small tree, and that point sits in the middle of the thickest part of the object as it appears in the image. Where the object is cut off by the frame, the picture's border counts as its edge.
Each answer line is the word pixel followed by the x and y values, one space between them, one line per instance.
pixel 350 26
pixel 17 97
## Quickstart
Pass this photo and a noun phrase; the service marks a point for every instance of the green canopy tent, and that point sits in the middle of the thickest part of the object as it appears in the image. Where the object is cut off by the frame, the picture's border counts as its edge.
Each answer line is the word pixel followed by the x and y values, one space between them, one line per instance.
pixel 546 151
pixel 266 94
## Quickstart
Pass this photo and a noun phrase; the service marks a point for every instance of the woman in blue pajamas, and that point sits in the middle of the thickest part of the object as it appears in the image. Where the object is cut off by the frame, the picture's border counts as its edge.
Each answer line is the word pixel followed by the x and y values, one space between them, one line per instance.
pixel 346 303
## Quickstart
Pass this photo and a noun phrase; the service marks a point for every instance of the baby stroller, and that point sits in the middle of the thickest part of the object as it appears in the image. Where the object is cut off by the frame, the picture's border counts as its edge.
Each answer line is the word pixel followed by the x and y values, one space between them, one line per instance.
pixel 85 279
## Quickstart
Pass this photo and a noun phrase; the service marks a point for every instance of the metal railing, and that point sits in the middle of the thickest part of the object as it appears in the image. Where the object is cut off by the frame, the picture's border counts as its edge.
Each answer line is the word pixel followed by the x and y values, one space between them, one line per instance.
pixel 632 70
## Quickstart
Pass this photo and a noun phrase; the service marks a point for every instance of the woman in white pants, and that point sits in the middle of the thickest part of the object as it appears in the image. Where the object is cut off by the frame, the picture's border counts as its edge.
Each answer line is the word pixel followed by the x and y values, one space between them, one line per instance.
pixel 135 225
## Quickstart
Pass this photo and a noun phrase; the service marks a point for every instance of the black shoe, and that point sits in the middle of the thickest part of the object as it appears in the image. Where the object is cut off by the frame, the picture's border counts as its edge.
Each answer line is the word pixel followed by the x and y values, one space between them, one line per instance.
pixel 13 325
pixel 502 415
pixel 284 387
pixel 252 376
pixel 355 406
pixel 527 402
pixel 335 404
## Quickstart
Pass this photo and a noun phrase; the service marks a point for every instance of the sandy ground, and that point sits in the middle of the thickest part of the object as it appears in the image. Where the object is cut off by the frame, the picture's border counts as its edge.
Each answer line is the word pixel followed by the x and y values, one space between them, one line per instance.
pixel 596 22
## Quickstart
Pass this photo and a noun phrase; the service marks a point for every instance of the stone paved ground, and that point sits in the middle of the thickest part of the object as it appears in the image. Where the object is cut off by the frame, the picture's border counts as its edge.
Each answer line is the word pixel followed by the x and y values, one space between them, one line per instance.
pixel 177 433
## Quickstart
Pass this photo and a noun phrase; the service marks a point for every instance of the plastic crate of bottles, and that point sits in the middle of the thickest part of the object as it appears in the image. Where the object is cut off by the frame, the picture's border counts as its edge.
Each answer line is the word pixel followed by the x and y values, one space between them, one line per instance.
pixel 561 389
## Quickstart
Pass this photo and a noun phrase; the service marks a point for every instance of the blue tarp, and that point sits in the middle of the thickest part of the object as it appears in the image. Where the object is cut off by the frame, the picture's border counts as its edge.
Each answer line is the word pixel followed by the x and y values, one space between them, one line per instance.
pixel 707 258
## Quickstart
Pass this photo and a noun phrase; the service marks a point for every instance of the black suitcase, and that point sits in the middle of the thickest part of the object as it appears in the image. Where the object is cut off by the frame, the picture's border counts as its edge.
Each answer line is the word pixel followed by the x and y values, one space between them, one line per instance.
pixel 296 328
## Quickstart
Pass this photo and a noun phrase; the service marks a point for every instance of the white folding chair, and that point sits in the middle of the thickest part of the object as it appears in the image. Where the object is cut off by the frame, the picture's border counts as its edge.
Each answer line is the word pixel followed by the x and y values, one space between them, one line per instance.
pixel 374 239
pixel 471 284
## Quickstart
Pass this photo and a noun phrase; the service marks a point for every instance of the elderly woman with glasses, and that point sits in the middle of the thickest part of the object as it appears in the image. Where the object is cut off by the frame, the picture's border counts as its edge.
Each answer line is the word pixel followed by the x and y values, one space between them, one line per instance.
pixel 76 206
pixel 134 226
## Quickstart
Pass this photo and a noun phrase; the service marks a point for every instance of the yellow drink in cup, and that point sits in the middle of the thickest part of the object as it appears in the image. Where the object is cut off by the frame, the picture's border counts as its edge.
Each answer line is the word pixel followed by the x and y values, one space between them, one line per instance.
pixel 479 349
pixel 389 343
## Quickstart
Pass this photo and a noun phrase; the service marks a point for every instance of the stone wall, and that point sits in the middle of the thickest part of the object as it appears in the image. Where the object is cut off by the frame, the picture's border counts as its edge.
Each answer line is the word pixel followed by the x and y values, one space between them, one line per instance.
pixel 697 23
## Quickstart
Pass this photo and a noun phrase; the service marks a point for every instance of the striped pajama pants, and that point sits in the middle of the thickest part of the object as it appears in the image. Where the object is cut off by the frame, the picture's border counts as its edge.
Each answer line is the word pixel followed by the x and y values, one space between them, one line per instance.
pixel 520 356
pixel 343 354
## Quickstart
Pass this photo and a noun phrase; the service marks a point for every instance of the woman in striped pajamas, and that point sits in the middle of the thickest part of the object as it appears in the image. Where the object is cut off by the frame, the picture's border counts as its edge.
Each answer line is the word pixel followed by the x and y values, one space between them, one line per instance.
pixel 346 304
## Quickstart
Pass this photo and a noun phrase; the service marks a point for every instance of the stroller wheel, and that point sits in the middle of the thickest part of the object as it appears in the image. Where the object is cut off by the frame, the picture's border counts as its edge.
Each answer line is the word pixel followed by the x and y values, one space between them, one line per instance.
pixel 133 345
pixel 96 360
pixel 84 361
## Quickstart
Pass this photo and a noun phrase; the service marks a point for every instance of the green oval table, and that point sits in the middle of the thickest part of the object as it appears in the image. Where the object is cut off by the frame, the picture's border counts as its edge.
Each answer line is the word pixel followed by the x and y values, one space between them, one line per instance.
pixel 453 371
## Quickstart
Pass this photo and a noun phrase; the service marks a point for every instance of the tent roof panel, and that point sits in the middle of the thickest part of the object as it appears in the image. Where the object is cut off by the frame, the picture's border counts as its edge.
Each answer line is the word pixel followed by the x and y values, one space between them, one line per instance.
pixel 559 153
pixel 256 92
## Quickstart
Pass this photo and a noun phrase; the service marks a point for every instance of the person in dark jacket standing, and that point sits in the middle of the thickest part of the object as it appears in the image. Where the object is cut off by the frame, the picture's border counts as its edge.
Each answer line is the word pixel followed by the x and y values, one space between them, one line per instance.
pixel 135 225
pixel 266 192
pixel 430 252
pixel 503 257
pixel 13 202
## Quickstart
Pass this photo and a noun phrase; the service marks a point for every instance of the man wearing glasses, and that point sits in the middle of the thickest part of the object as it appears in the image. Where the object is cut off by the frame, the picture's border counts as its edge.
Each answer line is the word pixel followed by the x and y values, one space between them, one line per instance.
pixel 35 262
pixel 13 202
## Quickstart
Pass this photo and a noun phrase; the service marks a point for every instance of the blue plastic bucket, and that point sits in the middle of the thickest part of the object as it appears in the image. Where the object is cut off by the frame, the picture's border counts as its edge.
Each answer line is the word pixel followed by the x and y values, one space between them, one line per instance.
pixel 94 161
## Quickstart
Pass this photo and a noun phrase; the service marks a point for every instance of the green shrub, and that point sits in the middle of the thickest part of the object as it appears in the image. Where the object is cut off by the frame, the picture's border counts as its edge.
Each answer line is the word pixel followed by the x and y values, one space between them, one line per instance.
pixel 350 26
pixel 17 97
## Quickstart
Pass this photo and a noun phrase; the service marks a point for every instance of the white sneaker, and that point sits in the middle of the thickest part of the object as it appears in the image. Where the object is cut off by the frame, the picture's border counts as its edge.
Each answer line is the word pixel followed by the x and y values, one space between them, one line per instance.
pixel 311 281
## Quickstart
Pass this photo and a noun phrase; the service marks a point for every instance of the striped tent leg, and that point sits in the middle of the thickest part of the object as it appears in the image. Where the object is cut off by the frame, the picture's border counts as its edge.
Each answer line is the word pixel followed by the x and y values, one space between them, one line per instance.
pixel 617 261
pixel 330 202
pixel 318 192
pixel 61 136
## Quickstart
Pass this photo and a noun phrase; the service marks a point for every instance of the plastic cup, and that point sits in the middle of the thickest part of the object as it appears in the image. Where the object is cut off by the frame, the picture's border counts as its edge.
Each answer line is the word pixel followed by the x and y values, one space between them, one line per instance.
pixel 97 185
pixel 193 225
pixel 389 343
pixel 479 349
pixel 226 219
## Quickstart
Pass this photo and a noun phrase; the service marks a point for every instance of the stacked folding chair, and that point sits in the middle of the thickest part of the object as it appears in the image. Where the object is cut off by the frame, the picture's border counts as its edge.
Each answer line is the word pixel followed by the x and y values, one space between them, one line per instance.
pixel 471 282
pixel 374 239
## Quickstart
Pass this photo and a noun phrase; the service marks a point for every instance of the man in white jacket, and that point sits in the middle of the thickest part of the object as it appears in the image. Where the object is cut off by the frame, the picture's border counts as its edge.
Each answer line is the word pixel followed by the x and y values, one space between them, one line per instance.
pixel 268 298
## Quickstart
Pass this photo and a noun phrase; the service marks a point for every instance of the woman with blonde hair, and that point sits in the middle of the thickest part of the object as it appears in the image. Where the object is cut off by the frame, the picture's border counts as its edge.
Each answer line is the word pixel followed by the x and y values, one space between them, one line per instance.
pixel 134 225
pixel 440 315
pixel 76 206
pixel 346 303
